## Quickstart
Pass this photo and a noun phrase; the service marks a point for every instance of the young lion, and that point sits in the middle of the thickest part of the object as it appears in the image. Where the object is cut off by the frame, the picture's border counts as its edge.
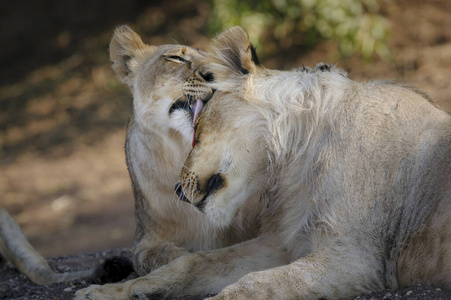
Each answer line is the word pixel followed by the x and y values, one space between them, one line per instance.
pixel 165 83
pixel 355 177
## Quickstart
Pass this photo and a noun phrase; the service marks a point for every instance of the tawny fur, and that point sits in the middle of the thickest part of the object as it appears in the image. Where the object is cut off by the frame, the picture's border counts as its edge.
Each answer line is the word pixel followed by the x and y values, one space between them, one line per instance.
pixel 158 142
pixel 354 177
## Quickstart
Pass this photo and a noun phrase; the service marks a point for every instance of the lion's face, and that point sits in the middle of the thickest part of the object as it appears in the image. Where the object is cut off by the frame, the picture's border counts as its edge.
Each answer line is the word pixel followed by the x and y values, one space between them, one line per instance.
pixel 228 163
pixel 165 80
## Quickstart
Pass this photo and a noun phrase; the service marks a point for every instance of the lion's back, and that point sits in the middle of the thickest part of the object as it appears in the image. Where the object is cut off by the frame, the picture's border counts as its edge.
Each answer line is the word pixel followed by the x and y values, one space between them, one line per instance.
pixel 409 137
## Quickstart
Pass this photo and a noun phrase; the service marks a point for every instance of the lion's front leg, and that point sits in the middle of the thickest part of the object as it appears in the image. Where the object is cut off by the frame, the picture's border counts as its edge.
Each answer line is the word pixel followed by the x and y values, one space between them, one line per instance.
pixel 151 253
pixel 159 286
pixel 163 282
pixel 100 292
pixel 338 273
pixel 196 274
pixel 258 285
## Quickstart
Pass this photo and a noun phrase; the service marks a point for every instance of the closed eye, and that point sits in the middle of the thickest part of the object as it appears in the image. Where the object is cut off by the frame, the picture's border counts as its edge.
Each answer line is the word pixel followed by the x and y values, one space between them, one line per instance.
pixel 176 59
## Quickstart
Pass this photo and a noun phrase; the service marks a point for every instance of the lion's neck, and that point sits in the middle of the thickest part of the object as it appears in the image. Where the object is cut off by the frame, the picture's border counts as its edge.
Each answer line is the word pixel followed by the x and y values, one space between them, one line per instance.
pixel 163 151
pixel 300 106
pixel 155 158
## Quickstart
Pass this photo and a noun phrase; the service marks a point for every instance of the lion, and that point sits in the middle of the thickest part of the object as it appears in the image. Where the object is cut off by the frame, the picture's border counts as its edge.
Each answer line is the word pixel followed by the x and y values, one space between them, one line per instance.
pixel 15 248
pixel 169 91
pixel 354 178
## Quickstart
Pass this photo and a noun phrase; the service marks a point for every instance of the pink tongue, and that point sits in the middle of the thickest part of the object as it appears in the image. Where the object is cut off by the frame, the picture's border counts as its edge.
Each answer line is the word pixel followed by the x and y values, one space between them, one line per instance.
pixel 197 109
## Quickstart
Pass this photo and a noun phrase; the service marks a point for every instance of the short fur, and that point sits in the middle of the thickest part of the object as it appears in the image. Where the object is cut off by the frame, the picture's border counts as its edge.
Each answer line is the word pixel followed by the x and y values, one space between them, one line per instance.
pixel 355 177
pixel 165 82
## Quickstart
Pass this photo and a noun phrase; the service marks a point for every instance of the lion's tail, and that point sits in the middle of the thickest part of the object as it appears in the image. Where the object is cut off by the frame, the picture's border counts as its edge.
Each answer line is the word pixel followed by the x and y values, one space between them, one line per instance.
pixel 15 248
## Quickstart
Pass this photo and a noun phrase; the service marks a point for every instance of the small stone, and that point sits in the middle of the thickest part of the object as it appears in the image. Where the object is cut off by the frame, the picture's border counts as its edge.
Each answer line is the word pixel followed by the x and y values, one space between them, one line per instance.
pixel 69 289
pixel 438 289
pixel 409 293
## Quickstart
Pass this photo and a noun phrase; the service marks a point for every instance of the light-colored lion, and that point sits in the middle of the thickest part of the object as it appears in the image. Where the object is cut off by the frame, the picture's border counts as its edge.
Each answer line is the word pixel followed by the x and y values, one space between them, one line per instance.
pixel 166 86
pixel 355 177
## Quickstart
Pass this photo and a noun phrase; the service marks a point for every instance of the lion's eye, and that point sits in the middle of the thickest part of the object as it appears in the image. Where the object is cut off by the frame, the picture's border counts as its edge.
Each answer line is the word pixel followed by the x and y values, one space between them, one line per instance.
pixel 176 59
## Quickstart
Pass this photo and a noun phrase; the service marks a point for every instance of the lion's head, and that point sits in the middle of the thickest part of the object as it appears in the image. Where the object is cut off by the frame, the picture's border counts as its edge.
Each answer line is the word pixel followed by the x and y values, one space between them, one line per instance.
pixel 228 164
pixel 165 80
pixel 256 117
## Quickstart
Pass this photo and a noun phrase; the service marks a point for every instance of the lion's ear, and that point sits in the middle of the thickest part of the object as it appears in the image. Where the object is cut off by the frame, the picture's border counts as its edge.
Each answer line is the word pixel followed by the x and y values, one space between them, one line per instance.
pixel 126 47
pixel 233 49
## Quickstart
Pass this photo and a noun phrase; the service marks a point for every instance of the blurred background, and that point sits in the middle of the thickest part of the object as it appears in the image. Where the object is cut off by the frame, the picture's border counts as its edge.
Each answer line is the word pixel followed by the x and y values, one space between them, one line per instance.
pixel 63 113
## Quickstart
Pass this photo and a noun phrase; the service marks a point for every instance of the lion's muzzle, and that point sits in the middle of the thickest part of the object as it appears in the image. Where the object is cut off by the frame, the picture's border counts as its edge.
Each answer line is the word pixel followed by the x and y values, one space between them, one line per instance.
pixel 213 183
pixel 179 192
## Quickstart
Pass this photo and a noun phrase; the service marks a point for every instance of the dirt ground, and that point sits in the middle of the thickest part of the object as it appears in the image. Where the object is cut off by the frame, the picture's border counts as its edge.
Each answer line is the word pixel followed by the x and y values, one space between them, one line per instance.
pixel 62 122
pixel 14 285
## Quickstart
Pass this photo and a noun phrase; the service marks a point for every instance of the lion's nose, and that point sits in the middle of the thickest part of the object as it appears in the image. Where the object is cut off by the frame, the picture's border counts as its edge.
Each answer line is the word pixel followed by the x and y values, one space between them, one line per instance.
pixel 179 192
pixel 215 182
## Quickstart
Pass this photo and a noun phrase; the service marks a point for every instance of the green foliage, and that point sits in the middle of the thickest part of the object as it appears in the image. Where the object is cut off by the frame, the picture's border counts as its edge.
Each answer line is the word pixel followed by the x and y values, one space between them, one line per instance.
pixel 354 24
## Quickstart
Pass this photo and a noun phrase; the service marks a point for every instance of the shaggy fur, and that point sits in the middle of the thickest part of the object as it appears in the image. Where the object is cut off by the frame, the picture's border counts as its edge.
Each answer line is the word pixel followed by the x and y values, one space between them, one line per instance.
pixel 355 178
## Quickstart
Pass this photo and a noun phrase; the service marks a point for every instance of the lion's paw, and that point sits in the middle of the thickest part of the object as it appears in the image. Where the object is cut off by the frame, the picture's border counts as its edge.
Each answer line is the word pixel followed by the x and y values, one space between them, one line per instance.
pixel 256 285
pixel 97 292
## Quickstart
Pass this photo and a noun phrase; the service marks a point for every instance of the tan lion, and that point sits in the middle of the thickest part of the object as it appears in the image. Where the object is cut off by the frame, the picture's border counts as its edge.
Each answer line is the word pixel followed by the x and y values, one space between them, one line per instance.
pixel 166 84
pixel 356 178
pixel 168 92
